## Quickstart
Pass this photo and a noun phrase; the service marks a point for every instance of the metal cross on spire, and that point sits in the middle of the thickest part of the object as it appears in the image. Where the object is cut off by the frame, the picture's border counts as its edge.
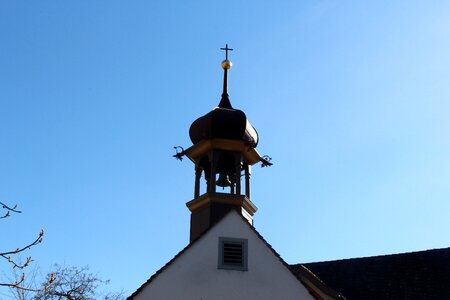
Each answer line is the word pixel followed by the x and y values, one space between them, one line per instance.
pixel 226 51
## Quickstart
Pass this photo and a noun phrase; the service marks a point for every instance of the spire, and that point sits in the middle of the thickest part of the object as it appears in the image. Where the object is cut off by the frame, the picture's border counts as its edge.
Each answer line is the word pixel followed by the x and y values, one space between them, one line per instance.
pixel 226 65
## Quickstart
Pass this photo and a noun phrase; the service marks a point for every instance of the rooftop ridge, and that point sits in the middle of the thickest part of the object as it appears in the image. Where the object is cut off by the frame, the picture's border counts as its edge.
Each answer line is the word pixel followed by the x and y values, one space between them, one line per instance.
pixel 376 256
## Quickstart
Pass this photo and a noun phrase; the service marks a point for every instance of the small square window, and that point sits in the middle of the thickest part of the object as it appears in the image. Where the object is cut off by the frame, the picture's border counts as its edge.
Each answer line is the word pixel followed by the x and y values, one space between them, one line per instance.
pixel 233 254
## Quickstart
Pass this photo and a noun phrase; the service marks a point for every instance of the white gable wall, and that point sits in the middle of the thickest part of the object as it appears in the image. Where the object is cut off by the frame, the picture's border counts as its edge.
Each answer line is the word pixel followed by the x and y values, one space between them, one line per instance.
pixel 194 274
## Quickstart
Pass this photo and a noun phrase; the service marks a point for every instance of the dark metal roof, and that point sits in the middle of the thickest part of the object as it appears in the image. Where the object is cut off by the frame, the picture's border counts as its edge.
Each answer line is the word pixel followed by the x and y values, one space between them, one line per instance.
pixel 223 122
pixel 408 276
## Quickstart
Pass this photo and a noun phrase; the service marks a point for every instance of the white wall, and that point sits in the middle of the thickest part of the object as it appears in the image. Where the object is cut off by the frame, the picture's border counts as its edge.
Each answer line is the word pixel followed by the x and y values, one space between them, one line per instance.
pixel 194 275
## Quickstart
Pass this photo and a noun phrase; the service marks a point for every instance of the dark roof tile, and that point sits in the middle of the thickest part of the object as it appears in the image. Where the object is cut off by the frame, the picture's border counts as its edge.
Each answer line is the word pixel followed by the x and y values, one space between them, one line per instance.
pixel 408 276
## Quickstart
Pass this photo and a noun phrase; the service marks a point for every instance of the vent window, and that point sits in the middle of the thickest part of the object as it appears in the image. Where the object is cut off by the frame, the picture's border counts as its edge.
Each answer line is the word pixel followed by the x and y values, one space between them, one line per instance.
pixel 233 254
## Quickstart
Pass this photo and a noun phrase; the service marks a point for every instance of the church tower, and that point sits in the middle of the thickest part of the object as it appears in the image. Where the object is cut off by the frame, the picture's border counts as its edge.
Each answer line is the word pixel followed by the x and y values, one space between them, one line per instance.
pixel 226 257
pixel 223 151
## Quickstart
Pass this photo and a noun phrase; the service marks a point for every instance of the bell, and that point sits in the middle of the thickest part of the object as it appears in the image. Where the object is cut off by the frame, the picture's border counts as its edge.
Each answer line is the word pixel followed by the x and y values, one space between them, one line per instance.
pixel 223 181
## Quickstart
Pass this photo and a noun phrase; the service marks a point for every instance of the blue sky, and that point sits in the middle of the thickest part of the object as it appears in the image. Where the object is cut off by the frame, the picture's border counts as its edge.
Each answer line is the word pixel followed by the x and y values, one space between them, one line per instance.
pixel 350 99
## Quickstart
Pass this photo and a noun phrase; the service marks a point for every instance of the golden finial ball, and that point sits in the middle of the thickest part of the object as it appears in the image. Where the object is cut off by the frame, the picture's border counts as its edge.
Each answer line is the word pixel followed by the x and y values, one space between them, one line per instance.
pixel 226 64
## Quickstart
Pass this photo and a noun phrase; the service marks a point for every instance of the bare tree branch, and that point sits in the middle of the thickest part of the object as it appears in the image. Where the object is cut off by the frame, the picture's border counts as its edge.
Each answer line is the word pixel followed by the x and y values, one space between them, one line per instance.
pixel 9 256
pixel 13 209
pixel 18 250
pixel 74 283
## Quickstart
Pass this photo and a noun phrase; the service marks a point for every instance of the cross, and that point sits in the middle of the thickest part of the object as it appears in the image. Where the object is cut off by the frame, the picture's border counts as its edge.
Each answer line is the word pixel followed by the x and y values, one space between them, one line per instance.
pixel 226 51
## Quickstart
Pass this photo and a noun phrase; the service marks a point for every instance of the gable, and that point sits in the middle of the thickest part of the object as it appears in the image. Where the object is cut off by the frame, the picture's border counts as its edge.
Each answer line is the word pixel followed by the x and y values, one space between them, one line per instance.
pixel 194 273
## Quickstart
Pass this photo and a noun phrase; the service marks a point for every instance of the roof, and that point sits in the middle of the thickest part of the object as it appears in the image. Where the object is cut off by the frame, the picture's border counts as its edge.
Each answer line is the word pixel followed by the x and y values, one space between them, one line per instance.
pixel 408 276
pixel 224 123
pixel 305 277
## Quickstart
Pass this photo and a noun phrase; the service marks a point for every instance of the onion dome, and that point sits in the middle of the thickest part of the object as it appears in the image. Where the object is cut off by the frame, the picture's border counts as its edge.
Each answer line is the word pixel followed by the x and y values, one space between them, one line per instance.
pixel 224 121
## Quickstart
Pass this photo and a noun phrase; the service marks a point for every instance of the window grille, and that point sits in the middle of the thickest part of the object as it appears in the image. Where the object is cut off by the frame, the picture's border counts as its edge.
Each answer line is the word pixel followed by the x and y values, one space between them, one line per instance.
pixel 233 254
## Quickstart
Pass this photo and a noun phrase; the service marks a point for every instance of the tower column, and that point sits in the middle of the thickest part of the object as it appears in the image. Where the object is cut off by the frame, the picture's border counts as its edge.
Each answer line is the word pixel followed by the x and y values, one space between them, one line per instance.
pixel 247 180
pixel 212 179
pixel 238 173
pixel 198 174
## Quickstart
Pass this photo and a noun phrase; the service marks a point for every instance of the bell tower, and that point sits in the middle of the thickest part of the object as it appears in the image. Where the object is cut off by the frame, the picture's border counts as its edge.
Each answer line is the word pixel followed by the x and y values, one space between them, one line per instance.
pixel 223 151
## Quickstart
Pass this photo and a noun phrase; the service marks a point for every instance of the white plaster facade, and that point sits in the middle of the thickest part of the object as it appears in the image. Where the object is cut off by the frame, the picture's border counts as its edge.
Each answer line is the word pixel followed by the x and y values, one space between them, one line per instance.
pixel 194 274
